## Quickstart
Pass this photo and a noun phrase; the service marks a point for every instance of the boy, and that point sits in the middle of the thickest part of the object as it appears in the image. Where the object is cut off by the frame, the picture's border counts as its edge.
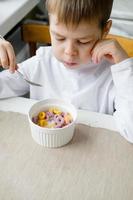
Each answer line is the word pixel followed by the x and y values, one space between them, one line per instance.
pixel 82 66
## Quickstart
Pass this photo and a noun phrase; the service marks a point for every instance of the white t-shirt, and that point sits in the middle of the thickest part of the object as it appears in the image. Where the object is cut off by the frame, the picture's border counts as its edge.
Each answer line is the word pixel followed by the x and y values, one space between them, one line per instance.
pixel 95 87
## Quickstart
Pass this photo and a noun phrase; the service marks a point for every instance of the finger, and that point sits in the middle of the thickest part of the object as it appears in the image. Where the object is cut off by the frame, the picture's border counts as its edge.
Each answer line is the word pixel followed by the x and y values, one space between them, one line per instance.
pixel 95 56
pixel 94 46
pixel 4 61
pixel 95 51
pixel 102 49
pixel 11 58
pixel 99 54
pixel 110 58
pixel 16 67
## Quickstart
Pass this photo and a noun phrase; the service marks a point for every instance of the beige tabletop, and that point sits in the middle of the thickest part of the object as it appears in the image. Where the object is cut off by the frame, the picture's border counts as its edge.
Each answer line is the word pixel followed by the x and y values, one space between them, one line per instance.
pixel 96 165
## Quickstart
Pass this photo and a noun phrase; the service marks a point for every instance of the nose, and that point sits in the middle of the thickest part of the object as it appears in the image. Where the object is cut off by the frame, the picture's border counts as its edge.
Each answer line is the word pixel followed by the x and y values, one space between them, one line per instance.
pixel 70 49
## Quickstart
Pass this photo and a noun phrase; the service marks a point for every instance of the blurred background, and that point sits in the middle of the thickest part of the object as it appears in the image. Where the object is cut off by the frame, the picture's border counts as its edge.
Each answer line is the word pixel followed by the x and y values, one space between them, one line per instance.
pixel 13 13
pixel 122 16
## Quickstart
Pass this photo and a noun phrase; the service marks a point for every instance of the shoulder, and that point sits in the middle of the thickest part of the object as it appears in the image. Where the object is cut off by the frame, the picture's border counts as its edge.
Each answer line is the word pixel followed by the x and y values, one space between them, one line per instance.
pixel 46 56
pixel 44 52
pixel 43 57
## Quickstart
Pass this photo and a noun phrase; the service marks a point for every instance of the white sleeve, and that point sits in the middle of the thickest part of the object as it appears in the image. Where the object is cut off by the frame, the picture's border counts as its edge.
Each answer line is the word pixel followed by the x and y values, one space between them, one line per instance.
pixel 12 85
pixel 123 79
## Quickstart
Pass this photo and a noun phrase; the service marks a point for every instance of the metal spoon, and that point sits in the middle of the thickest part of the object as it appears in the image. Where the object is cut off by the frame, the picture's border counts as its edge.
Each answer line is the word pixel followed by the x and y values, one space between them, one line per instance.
pixel 28 81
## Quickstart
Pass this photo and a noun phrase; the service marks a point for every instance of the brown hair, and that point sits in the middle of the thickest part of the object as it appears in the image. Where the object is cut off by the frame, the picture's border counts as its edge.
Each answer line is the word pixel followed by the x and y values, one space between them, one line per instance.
pixel 71 12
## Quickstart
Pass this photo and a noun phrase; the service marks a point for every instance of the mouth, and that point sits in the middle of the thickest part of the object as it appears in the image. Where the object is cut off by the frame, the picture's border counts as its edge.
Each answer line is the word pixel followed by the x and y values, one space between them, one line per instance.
pixel 70 64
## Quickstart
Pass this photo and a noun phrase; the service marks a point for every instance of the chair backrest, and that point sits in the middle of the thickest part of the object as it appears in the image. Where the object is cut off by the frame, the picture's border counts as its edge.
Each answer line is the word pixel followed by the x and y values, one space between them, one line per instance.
pixel 125 42
pixel 34 33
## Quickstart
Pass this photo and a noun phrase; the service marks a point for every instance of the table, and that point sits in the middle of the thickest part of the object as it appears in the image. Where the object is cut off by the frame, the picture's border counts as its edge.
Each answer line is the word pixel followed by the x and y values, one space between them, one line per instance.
pixel 12 12
pixel 96 164
pixel 22 105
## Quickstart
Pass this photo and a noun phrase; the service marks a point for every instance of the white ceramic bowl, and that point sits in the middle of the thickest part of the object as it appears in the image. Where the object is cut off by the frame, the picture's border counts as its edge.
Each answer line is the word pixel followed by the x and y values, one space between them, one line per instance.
pixel 52 137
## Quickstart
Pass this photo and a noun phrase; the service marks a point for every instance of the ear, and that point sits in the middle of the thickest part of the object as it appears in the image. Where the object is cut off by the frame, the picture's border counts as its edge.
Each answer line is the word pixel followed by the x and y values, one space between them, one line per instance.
pixel 106 28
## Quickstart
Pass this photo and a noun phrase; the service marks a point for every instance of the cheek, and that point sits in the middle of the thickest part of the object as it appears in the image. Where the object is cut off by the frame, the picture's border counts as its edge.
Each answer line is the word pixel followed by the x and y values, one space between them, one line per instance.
pixel 85 54
pixel 57 50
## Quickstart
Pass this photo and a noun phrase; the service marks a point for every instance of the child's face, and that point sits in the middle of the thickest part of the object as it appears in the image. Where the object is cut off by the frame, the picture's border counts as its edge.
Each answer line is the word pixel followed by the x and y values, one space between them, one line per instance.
pixel 73 46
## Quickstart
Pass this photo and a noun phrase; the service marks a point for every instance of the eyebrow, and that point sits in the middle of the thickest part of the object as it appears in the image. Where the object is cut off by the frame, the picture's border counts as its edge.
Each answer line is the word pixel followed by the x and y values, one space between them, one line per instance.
pixel 81 38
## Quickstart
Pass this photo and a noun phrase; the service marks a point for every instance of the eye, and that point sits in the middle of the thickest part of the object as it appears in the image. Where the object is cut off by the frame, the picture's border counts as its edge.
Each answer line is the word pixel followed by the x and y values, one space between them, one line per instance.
pixel 60 39
pixel 84 42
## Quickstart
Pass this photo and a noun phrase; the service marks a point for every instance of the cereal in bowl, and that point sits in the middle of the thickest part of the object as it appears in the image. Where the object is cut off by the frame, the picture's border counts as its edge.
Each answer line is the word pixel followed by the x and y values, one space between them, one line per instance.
pixel 52 118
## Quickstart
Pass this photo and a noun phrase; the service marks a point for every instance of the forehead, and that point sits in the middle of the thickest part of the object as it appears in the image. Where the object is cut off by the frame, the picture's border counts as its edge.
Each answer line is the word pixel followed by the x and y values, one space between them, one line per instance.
pixel 84 28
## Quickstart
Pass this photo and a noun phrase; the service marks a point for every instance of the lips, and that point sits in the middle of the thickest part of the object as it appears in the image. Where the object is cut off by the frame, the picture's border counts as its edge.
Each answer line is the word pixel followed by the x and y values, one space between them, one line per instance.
pixel 70 63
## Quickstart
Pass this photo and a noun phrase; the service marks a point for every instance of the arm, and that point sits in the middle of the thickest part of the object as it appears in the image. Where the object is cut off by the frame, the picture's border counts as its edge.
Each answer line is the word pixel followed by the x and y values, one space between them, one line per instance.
pixel 10 84
pixel 122 73
pixel 123 79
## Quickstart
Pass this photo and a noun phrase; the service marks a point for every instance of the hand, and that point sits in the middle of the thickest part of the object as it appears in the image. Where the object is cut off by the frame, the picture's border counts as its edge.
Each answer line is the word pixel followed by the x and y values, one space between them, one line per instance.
pixel 7 56
pixel 110 49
